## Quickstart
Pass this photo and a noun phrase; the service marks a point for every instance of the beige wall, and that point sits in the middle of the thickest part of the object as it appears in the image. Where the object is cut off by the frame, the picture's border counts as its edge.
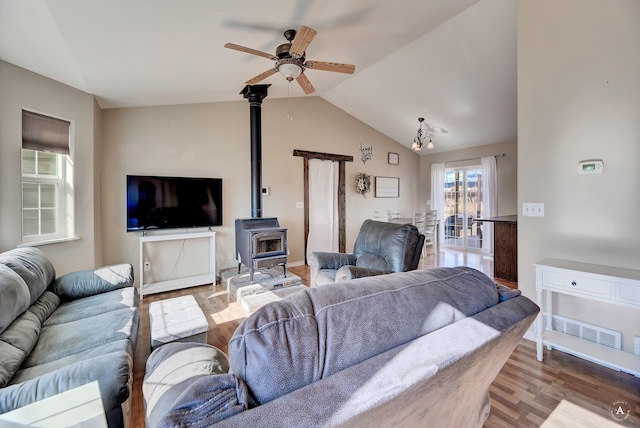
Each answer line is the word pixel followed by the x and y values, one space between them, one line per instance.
pixel 578 99
pixel 23 89
pixel 507 168
pixel 213 140
pixel 97 181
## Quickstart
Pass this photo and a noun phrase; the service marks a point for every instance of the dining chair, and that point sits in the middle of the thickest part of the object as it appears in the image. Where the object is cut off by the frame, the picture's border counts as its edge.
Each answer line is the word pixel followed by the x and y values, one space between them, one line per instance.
pixel 419 219
pixel 429 230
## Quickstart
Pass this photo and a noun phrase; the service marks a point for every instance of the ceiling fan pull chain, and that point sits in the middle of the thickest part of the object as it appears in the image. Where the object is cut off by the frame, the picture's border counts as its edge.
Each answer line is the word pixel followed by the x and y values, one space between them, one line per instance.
pixel 289 114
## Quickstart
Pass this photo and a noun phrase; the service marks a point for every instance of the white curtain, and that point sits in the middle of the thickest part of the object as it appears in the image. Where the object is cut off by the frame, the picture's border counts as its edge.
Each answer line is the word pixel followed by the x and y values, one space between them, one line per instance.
pixel 437 194
pixel 323 206
pixel 489 199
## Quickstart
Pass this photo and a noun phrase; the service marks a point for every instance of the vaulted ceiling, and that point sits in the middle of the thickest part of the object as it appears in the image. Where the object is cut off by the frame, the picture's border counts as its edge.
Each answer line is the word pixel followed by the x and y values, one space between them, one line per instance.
pixel 452 62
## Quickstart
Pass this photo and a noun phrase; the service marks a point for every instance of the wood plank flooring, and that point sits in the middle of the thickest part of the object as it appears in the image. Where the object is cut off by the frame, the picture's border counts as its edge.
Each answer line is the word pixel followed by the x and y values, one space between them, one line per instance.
pixel 561 391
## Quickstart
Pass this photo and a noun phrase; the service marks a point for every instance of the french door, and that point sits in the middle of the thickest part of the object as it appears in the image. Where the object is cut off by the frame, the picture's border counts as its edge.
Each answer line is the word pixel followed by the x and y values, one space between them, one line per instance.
pixel 462 204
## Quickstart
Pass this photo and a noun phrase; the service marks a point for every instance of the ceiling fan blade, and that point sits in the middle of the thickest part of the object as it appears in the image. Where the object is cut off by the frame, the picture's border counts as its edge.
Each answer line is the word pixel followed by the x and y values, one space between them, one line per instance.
pixel 303 39
pixel 304 83
pixel 250 51
pixel 260 77
pixel 331 66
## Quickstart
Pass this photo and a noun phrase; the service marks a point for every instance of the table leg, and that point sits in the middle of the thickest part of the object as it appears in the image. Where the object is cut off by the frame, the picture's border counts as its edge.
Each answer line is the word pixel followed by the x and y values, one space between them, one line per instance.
pixel 539 326
pixel 549 312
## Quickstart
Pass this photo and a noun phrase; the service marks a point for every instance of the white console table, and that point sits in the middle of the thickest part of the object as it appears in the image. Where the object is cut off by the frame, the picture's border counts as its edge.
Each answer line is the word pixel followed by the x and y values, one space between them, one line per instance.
pixel 175 284
pixel 614 286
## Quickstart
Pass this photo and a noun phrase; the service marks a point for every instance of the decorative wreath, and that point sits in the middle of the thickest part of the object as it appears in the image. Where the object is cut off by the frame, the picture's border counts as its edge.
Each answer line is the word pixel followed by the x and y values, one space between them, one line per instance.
pixel 363 184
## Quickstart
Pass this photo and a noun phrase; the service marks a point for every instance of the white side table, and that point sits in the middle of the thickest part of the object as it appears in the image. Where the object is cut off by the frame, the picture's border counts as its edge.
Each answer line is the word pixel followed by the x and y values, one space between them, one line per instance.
pixel 609 285
pixel 78 407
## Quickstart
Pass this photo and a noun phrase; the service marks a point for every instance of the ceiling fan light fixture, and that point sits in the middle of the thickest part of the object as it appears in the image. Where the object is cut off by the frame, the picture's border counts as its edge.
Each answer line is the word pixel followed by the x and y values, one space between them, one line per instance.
pixel 290 70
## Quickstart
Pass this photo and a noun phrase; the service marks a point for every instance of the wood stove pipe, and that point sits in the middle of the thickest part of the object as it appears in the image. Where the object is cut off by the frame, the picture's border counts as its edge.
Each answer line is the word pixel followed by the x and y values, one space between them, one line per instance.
pixel 255 94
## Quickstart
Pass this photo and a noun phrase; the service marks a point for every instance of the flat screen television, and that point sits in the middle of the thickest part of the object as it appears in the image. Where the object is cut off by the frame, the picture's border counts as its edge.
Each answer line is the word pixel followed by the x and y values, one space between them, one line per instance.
pixel 173 202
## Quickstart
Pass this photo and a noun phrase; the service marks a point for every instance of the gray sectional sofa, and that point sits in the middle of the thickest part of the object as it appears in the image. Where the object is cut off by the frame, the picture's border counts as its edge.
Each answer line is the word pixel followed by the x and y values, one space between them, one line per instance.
pixel 416 348
pixel 60 333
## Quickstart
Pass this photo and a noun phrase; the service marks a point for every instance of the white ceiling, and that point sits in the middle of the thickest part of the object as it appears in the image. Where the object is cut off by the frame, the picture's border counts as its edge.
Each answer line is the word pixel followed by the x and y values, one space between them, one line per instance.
pixel 451 61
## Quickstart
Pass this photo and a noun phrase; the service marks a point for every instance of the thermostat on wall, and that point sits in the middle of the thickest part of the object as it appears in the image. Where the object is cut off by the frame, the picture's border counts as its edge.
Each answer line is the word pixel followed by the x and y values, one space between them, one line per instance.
pixel 590 167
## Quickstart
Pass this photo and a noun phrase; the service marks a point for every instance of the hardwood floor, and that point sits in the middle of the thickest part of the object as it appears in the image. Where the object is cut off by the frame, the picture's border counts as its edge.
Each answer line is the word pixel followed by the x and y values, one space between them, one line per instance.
pixel 561 391
pixel 448 257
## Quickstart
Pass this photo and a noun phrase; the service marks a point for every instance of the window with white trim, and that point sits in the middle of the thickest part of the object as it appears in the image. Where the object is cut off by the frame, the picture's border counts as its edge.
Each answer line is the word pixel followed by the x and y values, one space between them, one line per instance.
pixel 47 179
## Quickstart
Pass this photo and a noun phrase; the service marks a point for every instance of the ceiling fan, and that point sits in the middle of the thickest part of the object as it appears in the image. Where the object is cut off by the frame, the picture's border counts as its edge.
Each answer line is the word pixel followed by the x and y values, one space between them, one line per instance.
pixel 291 61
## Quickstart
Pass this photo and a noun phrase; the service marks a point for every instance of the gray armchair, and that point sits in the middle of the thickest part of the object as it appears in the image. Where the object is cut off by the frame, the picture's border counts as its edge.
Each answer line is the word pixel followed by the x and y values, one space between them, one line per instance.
pixel 380 248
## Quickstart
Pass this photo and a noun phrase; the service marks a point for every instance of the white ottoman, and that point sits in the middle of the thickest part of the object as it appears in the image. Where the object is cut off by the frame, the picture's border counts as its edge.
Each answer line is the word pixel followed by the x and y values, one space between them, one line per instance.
pixel 177 320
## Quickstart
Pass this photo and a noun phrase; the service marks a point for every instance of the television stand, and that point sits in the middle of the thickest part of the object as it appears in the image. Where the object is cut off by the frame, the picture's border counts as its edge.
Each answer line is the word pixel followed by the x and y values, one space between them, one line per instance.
pixel 179 283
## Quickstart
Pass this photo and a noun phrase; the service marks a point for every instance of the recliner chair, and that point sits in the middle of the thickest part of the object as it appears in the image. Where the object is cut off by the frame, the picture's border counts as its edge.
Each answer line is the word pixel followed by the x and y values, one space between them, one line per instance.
pixel 380 248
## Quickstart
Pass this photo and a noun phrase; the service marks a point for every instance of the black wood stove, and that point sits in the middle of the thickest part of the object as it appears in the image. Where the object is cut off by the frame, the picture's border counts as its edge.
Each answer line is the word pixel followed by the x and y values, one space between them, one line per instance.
pixel 261 243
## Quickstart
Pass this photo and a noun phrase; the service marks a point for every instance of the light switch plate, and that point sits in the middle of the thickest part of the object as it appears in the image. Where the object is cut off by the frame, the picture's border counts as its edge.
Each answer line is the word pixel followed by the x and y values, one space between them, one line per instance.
pixel 533 209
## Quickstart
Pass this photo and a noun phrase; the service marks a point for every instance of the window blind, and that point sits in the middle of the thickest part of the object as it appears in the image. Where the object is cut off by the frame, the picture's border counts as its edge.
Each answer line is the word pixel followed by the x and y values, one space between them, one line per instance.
pixel 44 133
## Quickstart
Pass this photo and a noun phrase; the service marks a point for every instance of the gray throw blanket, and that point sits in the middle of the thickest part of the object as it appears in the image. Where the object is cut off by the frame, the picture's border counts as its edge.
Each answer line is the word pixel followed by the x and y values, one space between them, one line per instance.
pixel 208 400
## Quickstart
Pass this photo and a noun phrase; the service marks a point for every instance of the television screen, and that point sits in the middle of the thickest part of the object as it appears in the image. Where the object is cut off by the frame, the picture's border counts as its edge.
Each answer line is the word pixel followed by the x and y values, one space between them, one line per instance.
pixel 173 202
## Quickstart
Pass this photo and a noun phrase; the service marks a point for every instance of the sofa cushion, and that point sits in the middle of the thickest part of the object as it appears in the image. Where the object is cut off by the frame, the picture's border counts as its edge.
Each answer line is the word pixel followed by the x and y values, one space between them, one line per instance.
pixel 17 341
pixel 15 296
pixel 323 330
pixel 94 305
pixel 346 273
pixel 326 276
pixel 89 282
pixel 116 347
pixel 112 372
pixel 12 357
pixel 33 266
pixel 45 306
pixel 371 261
pixel 61 340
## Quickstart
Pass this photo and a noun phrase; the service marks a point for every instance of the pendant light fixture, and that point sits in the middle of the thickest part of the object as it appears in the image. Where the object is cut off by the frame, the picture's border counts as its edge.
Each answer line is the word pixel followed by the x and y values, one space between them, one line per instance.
pixel 421 136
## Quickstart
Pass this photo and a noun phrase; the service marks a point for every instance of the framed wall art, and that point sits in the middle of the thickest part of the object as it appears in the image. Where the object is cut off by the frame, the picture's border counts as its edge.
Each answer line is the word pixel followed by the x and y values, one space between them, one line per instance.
pixel 394 158
pixel 387 187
